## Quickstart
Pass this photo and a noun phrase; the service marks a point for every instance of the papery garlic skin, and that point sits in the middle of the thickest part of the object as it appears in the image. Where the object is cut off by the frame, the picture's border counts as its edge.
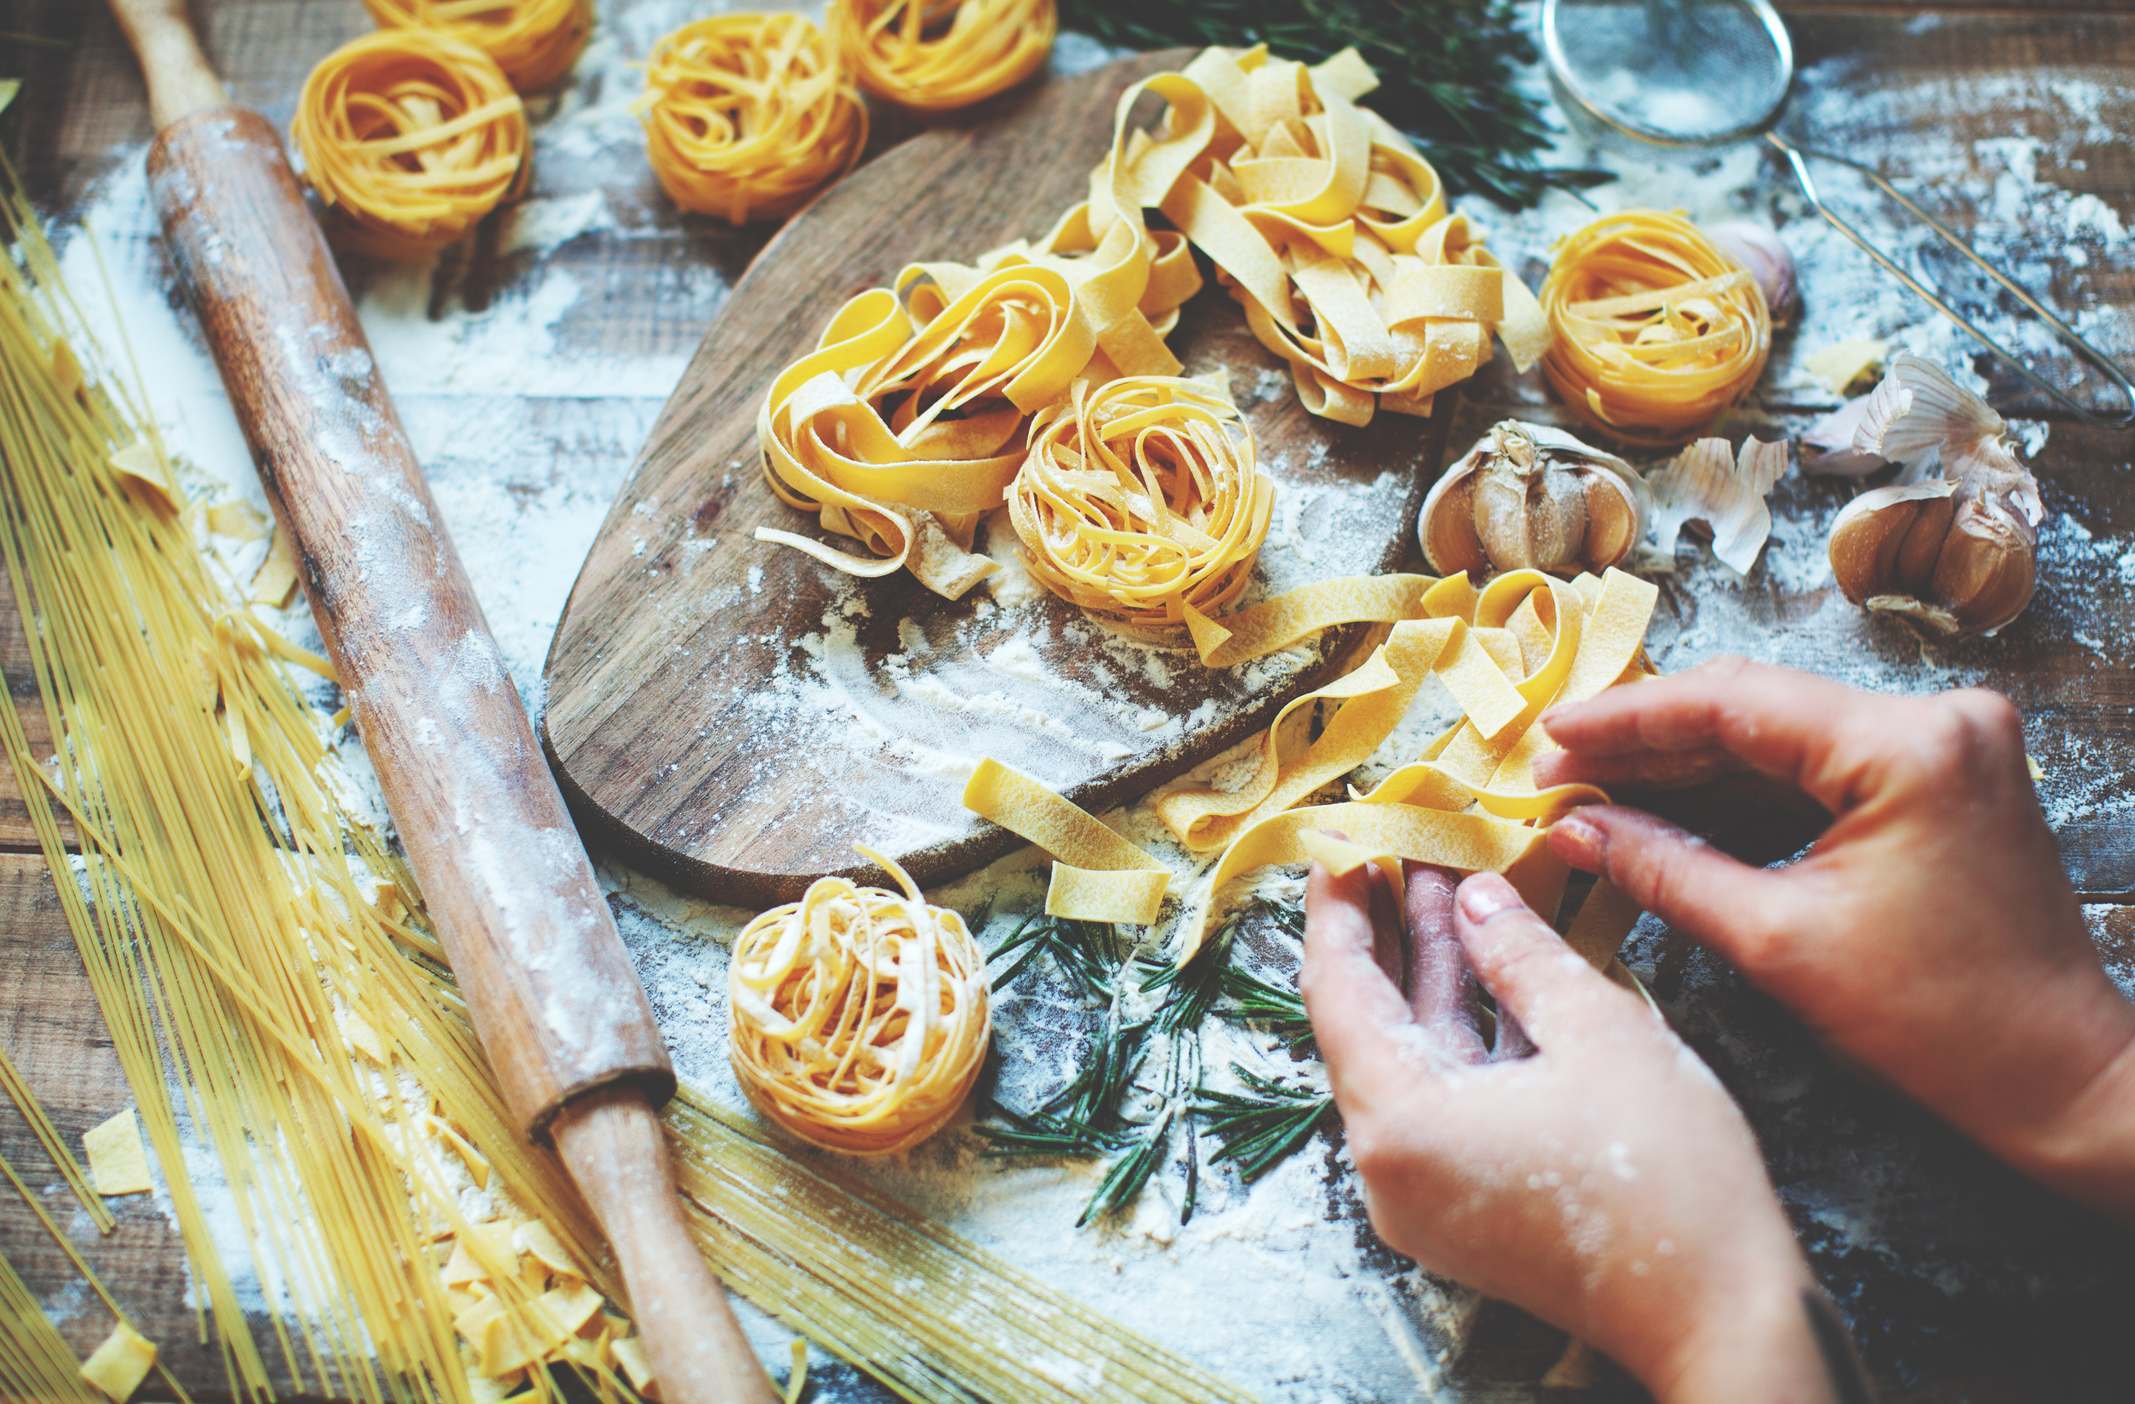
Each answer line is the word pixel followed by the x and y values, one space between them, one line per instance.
pixel 1759 249
pixel 1529 496
pixel 1955 553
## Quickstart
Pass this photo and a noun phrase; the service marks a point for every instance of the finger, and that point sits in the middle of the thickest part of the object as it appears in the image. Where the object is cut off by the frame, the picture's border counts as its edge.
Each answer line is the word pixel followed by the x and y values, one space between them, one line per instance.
pixel 1511 1043
pixel 1534 976
pixel 1687 883
pixel 1441 987
pixel 1811 732
pixel 1662 769
pixel 1358 1016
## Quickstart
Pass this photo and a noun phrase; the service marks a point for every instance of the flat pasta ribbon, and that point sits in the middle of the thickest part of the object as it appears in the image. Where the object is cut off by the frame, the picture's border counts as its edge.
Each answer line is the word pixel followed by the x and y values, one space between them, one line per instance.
pixel 934 55
pixel 413 136
pixel 859 1016
pixel 535 42
pixel 1654 330
pixel 1140 498
pixel 746 116
pixel 1097 875
pixel 1334 235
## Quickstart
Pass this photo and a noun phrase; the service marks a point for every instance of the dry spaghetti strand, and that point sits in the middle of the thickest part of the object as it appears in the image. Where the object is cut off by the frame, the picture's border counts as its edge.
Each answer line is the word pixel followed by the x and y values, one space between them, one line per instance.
pixel 934 55
pixel 535 42
pixel 859 1015
pixel 413 136
pixel 1655 331
pixel 749 115
pixel 1139 498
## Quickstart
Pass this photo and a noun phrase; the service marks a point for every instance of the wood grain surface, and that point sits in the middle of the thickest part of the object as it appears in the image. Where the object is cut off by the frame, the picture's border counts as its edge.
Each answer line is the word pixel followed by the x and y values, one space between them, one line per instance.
pixel 735 716
pixel 1962 1282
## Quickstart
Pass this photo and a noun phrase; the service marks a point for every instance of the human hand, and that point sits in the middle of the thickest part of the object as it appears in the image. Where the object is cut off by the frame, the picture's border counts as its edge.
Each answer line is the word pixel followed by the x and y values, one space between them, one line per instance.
pixel 1605 1183
pixel 1931 933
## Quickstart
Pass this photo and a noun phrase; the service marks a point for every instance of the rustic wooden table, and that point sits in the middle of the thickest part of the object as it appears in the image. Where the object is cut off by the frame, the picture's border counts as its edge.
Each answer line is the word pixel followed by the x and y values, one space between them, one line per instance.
pixel 1961 1281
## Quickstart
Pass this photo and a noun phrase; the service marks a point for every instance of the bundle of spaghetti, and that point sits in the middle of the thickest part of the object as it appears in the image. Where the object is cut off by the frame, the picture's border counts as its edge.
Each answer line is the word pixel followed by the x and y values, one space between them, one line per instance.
pixel 1334 235
pixel 413 136
pixel 535 42
pixel 264 969
pixel 749 115
pixel 1139 498
pixel 1504 654
pixel 225 915
pixel 70 1169
pixel 1654 331
pixel 905 424
pixel 934 55
pixel 857 1015
pixel 35 1360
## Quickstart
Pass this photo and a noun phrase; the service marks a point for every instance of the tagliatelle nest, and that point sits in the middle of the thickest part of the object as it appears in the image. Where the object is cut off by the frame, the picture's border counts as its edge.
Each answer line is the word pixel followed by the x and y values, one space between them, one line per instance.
pixel 413 136
pixel 1139 498
pixel 535 42
pixel 939 54
pixel 748 115
pixel 1654 330
pixel 859 1016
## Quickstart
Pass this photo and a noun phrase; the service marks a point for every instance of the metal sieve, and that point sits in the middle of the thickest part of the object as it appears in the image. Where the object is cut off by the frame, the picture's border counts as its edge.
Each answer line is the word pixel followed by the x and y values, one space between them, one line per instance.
pixel 1699 73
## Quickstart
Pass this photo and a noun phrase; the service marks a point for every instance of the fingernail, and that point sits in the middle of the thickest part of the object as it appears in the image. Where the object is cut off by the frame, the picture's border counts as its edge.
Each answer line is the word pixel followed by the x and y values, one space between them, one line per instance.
pixel 1578 842
pixel 1484 895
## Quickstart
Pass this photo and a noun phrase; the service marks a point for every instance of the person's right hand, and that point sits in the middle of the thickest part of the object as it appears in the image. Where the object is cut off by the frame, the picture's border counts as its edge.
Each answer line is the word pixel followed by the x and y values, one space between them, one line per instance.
pixel 1931 933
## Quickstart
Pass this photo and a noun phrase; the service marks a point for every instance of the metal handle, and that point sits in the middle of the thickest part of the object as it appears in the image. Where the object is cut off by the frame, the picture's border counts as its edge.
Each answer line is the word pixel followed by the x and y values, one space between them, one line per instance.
pixel 1798 160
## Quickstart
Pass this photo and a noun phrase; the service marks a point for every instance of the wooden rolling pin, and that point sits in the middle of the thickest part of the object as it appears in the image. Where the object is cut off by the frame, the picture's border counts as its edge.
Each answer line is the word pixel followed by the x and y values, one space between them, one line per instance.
pixel 554 999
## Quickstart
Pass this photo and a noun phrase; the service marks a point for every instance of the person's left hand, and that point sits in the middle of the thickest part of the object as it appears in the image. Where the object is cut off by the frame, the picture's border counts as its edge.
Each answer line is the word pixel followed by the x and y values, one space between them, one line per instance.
pixel 1605 1182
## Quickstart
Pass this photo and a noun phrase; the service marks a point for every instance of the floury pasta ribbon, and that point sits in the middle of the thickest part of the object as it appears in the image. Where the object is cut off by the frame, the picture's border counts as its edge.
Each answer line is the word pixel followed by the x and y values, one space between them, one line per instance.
pixel 1505 653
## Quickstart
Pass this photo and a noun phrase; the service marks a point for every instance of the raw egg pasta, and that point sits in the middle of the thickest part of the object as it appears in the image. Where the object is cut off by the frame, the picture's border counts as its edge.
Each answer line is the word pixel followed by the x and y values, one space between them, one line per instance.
pixel 1139 498
pixel 858 1015
pixel 1654 330
pixel 535 42
pixel 412 136
pixel 934 55
pixel 906 423
pixel 1505 654
pixel 1334 235
pixel 746 116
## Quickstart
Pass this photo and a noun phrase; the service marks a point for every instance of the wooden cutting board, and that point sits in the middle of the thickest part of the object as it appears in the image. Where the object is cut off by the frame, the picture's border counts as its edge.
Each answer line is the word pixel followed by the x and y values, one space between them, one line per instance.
pixel 734 717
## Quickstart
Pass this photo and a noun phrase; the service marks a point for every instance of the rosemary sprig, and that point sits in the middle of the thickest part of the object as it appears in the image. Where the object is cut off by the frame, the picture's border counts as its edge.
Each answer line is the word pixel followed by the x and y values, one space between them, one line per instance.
pixel 1257 1128
pixel 1446 68
pixel 1088 953
pixel 1255 1001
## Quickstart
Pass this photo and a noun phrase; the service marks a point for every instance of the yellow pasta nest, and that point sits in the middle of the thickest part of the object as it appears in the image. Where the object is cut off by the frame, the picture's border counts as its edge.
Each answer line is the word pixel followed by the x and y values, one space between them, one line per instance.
pixel 858 1015
pixel 940 54
pixel 1655 330
pixel 1334 235
pixel 1139 498
pixel 749 115
pixel 413 136
pixel 535 42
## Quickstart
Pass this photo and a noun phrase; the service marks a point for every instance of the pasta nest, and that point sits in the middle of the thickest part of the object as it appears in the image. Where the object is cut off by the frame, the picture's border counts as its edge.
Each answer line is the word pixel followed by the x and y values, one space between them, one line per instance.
pixel 1656 332
pixel 1335 237
pixel 858 1016
pixel 1139 498
pixel 939 54
pixel 413 136
pixel 748 115
pixel 535 42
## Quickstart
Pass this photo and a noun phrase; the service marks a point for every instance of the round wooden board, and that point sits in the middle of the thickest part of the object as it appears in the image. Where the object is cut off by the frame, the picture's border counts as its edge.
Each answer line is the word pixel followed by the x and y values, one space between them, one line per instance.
pixel 734 717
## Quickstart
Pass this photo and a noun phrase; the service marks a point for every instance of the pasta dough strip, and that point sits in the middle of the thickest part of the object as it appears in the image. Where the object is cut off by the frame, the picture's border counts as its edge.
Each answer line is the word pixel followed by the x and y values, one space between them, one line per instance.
pixel 1097 874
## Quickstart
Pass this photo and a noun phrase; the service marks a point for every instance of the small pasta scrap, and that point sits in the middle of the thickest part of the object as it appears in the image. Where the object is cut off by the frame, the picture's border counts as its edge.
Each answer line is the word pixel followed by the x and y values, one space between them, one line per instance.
pixel 413 136
pixel 1140 498
pixel 1335 236
pixel 1655 331
pixel 535 42
pixel 746 116
pixel 858 1016
pixel 934 55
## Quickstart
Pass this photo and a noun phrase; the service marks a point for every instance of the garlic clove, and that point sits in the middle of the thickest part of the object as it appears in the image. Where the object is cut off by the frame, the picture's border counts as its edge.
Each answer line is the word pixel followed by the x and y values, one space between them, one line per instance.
pixel 1759 249
pixel 1827 445
pixel 1531 496
pixel 1919 413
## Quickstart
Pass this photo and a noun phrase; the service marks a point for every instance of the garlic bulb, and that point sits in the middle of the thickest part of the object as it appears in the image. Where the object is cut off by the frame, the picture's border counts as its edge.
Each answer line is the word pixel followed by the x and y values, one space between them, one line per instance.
pixel 1756 248
pixel 1952 551
pixel 1528 495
